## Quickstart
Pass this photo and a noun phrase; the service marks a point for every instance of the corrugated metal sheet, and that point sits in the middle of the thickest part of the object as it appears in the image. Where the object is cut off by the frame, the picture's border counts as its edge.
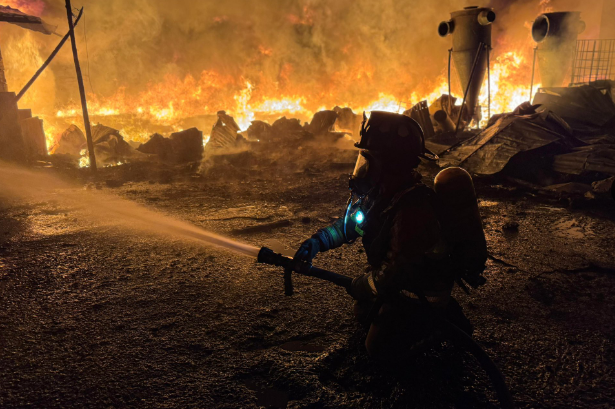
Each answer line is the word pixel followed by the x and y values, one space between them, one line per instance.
pixel 488 152
pixel 14 16
pixel 593 158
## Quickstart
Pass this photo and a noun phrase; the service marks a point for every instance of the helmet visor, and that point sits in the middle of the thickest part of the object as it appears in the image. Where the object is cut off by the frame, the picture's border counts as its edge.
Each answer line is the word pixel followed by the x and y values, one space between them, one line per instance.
pixel 361 167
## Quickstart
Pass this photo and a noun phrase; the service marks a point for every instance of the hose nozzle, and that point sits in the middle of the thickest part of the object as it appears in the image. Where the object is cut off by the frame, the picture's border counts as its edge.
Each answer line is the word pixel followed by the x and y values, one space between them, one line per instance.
pixel 268 256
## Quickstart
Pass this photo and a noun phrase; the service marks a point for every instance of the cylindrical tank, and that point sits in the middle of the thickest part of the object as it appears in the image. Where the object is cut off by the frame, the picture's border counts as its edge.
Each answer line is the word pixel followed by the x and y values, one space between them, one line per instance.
pixel 556 35
pixel 469 27
pixel 461 222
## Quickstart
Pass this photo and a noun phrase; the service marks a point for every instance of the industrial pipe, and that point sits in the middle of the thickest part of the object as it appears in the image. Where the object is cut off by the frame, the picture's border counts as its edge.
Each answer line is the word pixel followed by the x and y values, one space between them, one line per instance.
pixel 444 121
pixel 446 28
pixel 486 17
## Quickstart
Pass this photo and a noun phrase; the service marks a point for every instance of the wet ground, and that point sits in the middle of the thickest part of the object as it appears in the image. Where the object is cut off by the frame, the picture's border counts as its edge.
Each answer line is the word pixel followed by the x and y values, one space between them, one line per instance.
pixel 102 317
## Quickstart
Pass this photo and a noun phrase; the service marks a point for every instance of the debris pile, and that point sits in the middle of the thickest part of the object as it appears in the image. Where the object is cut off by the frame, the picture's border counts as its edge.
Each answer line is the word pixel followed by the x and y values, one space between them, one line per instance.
pixel 180 147
pixel 563 143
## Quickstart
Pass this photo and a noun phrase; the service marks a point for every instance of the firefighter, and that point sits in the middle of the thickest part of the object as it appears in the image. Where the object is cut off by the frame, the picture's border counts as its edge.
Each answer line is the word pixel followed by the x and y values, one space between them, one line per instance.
pixel 412 257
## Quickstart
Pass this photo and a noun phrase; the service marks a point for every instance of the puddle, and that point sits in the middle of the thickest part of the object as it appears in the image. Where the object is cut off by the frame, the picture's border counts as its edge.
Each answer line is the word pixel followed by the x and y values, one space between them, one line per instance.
pixel 488 203
pixel 571 228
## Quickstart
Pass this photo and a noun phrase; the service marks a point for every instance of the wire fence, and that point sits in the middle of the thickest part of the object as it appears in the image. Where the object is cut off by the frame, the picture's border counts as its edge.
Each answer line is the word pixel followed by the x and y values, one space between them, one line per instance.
pixel 594 60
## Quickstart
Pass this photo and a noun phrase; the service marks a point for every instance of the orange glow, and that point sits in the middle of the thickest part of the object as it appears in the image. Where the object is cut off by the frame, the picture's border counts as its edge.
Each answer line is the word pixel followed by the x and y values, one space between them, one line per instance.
pixel 165 106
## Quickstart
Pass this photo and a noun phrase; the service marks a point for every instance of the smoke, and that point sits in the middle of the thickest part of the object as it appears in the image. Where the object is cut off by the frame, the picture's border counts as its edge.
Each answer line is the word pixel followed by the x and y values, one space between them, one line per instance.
pixel 344 52
pixel 515 18
pixel 96 209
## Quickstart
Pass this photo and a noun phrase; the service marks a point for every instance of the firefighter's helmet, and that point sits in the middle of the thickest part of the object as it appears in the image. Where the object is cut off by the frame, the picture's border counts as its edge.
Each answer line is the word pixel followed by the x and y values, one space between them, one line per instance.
pixel 393 135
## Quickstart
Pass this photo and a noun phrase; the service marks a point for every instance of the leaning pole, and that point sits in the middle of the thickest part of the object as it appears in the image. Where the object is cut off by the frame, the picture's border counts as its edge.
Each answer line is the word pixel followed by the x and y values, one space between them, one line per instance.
pixel 84 104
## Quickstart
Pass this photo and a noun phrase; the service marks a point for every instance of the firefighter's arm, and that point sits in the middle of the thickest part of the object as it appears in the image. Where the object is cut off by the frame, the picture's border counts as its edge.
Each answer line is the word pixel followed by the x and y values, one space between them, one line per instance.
pixel 415 231
pixel 330 237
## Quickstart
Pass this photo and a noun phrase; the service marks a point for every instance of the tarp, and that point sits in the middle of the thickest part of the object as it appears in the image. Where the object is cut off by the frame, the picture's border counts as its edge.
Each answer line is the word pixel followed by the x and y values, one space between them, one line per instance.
pixel 488 152
pixel 14 16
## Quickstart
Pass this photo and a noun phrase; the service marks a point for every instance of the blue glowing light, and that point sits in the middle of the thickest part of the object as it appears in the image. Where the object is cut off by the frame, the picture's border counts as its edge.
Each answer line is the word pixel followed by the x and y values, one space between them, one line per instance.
pixel 359 217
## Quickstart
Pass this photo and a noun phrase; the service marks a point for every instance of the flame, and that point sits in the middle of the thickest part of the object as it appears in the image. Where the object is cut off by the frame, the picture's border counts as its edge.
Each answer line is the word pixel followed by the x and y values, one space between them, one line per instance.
pixel 164 106
pixel 84 160
pixel 509 84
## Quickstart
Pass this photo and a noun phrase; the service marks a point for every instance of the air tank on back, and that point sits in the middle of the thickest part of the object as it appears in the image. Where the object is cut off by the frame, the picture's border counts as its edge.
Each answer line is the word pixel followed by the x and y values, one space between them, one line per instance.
pixel 469 28
pixel 556 35
pixel 461 222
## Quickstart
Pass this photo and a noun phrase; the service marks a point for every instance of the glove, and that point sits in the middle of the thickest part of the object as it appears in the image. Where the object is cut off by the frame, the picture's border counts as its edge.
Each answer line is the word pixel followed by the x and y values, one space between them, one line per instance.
pixel 308 250
pixel 361 290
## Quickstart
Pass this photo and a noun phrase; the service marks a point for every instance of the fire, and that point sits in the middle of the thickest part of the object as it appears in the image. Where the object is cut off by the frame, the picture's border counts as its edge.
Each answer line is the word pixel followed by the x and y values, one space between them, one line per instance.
pixel 510 84
pixel 173 100
pixel 164 106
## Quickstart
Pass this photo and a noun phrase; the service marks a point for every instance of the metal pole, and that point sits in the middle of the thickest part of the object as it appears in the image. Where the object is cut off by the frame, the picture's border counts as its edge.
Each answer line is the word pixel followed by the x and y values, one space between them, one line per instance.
pixel 575 63
pixel 591 67
pixel 450 97
pixel 465 94
pixel 48 61
pixel 84 104
pixel 3 85
pixel 533 71
pixel 488 83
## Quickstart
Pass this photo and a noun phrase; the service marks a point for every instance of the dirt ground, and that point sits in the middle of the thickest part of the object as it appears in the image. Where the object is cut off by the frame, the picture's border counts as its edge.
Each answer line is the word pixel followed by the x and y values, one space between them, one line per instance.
pixel 94 317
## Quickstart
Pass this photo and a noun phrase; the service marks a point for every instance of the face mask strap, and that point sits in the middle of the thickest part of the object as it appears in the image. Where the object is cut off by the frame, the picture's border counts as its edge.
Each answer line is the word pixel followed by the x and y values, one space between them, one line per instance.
pixel 346 214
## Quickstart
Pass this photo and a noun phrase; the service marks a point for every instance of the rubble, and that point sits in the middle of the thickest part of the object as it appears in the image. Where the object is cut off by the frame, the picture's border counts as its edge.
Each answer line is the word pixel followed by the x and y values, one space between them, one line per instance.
pixel 260 131
pixel 187 145
pixel 490 151
pixel 570 188
pixel 224 133
pixel 587 109
pixel 322 123
pixel 605 186
pixel 587 159
pixel 181 147
pixel 158 145
pixel 71 142
pixel 110 147
pixel 420 113
pixel 289 129
pixel 348 121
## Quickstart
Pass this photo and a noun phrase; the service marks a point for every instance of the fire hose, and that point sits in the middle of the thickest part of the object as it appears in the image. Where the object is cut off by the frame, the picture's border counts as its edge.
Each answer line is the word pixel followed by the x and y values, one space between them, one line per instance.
pixel 447 328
